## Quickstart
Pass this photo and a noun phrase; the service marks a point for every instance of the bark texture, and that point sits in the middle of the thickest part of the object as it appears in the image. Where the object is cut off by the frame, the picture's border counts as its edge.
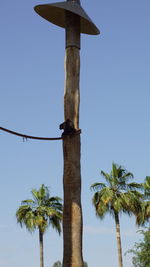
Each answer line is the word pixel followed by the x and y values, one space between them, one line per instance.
pixel 41 249
pixel 118 236
pixel 72 214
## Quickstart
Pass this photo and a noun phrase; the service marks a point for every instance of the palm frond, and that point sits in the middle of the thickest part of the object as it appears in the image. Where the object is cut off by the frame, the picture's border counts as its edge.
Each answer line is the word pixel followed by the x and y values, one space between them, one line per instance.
pixel 107 195
pixel 134 186
pixel 105 175
pixel 98 186
pixel 101 210
pixel 56 223
pixel 29 202
pixel 55 199
pixel 127 176
pixel 115 170
pixel 143 216
pixel 35 194
pixel 147 182
pixel 146 187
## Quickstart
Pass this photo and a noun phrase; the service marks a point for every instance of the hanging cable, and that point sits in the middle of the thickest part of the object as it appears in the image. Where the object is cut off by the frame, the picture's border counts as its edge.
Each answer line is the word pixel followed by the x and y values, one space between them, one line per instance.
pixel 25 137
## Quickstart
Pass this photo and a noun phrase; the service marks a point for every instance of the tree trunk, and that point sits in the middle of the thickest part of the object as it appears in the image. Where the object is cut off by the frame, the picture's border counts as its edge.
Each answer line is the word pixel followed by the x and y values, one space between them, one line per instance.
pixel 118 236
pixel 72 214
pixel 41 249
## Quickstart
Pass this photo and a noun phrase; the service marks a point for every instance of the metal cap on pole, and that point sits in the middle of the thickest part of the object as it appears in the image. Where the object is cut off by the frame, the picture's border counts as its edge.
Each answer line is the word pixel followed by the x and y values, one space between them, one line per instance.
pixel 56 14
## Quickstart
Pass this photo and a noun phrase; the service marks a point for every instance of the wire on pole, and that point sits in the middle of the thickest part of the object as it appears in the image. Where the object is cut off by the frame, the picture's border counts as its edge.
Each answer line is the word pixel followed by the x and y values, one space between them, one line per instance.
pixel 24 136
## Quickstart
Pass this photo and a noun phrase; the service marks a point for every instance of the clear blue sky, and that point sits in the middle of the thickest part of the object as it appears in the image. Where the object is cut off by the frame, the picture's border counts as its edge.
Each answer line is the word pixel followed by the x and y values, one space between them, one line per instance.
pixel 115 112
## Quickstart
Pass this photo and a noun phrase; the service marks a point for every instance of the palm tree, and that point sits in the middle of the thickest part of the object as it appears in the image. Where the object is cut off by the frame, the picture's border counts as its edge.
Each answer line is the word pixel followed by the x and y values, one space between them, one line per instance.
pixel 115 197
pixel 39 213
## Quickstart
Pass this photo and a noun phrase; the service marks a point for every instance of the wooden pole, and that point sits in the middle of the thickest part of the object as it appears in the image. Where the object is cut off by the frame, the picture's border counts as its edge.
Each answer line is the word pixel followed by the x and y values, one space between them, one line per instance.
pixel 72 214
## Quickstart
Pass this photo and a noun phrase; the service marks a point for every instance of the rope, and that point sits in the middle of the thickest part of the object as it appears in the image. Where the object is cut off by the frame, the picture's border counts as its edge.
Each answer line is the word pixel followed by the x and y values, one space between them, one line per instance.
pixel 24 136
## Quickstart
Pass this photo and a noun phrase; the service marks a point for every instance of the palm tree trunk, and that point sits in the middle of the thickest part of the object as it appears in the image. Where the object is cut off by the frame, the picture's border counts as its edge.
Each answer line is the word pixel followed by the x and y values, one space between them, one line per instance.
pixel 118 240
pixel 72 214
pixel 41 249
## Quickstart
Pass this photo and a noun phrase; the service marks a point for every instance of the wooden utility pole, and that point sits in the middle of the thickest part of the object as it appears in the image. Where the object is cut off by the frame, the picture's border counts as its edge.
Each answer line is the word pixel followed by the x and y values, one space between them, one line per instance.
pixel 72 214
pixel 71 16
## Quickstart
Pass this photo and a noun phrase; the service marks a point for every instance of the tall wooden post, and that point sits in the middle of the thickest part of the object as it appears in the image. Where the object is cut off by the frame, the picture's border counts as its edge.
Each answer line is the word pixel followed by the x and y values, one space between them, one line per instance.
pixel 72 214
pixel 71 16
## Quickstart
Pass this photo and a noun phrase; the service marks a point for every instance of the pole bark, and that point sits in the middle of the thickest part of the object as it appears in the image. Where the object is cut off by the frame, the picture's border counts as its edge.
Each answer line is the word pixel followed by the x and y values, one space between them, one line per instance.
pixel 72 213
pixel 120 261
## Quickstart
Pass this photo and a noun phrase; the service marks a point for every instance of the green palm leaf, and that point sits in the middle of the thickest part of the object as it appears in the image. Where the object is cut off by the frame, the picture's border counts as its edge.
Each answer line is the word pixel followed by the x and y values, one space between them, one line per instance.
pixel 98 186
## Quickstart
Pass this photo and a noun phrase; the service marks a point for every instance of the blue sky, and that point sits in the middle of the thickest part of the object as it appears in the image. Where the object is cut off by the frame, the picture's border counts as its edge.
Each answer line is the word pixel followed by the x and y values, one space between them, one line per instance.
pixel 114 118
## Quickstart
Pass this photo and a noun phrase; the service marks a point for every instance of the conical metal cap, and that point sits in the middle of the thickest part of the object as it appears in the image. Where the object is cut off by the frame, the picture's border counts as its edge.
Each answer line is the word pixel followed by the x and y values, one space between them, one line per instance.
pixel 55 13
